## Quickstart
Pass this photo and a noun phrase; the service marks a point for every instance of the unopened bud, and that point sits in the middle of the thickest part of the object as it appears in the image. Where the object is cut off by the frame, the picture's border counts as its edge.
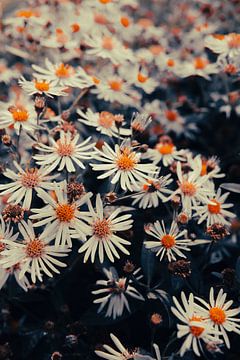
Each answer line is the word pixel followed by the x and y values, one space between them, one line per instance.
pixel 156 319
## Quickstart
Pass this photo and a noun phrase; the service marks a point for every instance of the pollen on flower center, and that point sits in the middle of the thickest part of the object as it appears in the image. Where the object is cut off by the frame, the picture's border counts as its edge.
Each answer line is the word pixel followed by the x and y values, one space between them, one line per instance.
pixel 168 241
pixel 41 85
pixel 142 78
pixel 19 114
pixel 35 248
pixel 217 315
pixel 26 13
pixel 165 148
pixel 64 149
pixel 188 188
pixel 214 208
pixel 106 119
pixel 107 43
pixel 171 115
pixel 101 228
pixel 196 330
pixel 200 63
pixel 63 71
pixel 30 178
pixel 115 85
pixel 65 212
pixel 126 160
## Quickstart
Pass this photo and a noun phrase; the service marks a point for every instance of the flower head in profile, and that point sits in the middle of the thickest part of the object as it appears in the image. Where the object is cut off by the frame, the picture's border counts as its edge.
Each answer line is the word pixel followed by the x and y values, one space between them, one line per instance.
pixel 220 315
pixel 114 293
pixel 34 254
pixel 24 182
pixel 123 163
pixel 42 87
pixel 64 153
pixel 103 239
pixel 61 216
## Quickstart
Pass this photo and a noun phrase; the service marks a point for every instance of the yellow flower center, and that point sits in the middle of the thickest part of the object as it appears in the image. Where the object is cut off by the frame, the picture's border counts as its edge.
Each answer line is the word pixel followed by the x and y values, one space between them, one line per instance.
pixel 101 228
pixel 65 212
pixel 19 114
pixel 64 149
pixel 188 188
pixel 64 71
pixel 217 315
pixel 196 330
pixel 165 148
pixel 42 85
pixel 126 160
pixel 30 178
pixel 106 119
pixel 214 208
pixel 168 241
pixel 115 85
pixel 35 248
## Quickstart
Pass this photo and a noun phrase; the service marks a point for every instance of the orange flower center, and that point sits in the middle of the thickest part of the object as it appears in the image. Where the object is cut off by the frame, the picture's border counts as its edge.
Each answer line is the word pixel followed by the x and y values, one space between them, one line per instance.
pixel 196 330
pixel 168 241
pixel 65 212
pixel 105 1
pixel 218 36
pixel 170 62
pixel 126 160
pixel 230 69
pixel 125 21
pixel 106 119
pixel 204 168
pixel 101 228
pixel 165 148
pixel 19 114
pixel 200 63
pixel 95 80
pixel 155 49
pixel 234 40
pixel 100 19
pixel 107 43
pixel 217 315
pixel 188 188
pixel 75 27
pixel 115 85
pixel 142 78
pixel 64 149
pixel 64 71
pixel 26 13
pixel 30 178
pixel 34 248
pixel 2 246
pixel 214 208
pixel 41 85
pixel 171 115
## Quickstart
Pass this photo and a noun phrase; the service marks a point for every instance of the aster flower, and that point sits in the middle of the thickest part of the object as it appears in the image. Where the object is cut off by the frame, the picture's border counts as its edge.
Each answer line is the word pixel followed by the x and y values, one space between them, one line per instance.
pixel 194 328
pixel 124 163
pixel 42 87
pixel 34 254
pixel 208 166
pixel 6 233
pixel 60 216
pixel 64 152
pixel 114 293
pixel 63 75
pixel 199 66
pixel 103 233
pixel 192 189
pixel 152 191
pixel 24 182
pixel 219 314
pixel 20 118
pixel 224 45
pixel 13 271
pixel 215 210
pixel 165 152
pixel 168 243
pixel 104 122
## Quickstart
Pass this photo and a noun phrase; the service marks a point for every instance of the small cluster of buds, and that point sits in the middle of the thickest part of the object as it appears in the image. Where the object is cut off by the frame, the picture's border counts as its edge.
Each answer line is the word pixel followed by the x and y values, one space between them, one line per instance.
pixel 14 213
pixel 75 190
pixel 181 268
pixel 217 231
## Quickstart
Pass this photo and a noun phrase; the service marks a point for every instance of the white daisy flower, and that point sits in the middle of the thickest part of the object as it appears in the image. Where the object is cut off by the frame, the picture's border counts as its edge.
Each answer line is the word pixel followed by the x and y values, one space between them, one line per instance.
pixel 208 166
pixel 61 217
pixel 6 233
pixel 168 243
pixel 224 45
pixel 112 354
pixel 164 152
pixel 194 328
pixel 24 182
pixel 63 75
pixel 13 271
pixel 192 187
pixel 102 233
pixel 152 191
pixel 64 152
pixel 219 314
pixel 115 292
pixel 104 122
pixel 124 163
pixel 199 66
pixel 215 210
pixel 19 118
pixel 43 87
pixel 34 254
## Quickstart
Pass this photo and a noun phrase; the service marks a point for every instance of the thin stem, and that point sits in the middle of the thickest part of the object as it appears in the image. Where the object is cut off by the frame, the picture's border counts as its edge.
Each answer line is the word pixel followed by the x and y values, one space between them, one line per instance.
pixel 80 95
